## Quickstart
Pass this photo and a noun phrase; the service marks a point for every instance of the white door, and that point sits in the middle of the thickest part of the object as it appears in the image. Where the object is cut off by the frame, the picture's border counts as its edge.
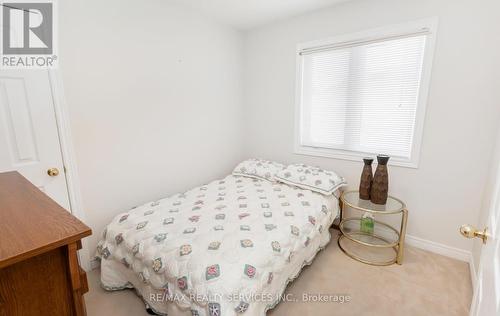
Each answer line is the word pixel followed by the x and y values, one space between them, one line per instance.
pixel 486 300
pixel 29 140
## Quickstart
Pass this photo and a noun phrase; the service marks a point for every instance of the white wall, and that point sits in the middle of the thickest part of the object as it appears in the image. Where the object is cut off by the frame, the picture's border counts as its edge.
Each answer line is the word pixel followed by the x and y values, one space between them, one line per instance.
pixel 153 92
pixel 462 112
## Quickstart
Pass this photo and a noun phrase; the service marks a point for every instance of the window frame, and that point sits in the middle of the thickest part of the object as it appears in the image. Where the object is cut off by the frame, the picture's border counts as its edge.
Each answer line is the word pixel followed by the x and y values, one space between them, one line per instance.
pixel 429 24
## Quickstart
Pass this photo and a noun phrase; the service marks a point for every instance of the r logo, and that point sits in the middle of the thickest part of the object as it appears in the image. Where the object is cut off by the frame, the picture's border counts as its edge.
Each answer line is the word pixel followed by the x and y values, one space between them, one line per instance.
pixel 27 28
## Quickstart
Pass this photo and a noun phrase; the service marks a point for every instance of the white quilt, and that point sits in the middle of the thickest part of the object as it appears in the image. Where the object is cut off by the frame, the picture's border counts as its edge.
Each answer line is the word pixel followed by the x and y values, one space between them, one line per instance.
pixel 225 248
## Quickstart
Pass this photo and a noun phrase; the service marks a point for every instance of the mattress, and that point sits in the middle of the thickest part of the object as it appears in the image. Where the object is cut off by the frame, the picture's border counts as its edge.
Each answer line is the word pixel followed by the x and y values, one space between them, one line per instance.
pixel 225 248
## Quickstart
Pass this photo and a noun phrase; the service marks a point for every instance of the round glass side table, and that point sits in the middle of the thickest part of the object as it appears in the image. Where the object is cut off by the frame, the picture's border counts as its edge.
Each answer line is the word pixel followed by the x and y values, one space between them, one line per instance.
pixel 382 245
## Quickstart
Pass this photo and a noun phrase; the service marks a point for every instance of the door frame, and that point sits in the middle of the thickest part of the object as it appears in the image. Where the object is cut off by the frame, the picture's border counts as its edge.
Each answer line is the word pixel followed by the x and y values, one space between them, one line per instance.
pixel 68 156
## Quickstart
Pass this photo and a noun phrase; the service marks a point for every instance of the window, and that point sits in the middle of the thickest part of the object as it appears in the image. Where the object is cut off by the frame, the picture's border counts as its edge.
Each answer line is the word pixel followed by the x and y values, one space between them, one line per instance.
pixel 365 93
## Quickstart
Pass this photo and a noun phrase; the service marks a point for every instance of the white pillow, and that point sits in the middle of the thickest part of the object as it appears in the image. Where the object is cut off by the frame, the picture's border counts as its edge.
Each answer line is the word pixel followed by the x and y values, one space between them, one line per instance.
pixel 258 168
pixel 311 178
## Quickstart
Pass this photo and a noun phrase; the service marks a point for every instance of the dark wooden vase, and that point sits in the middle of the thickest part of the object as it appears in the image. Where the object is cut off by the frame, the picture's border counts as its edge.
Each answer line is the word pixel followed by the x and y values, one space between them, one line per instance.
pixel 365 183
pixel 380 185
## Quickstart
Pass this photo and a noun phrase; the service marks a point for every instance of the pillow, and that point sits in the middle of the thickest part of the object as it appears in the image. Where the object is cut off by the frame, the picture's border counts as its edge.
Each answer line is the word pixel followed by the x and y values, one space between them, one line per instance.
pixel 258 168
pixel 311 178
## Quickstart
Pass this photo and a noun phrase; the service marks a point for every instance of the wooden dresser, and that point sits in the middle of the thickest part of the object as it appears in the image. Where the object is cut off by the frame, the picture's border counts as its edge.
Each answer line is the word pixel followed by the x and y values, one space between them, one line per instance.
pixel 39 270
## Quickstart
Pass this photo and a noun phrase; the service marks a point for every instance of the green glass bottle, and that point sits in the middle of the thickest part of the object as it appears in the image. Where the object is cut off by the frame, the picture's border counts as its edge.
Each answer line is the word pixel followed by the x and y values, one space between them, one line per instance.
pixel 367 223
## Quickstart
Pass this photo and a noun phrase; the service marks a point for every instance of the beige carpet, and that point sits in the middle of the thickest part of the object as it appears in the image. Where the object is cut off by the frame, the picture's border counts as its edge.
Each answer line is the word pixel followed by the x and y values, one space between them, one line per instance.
pixel 426 284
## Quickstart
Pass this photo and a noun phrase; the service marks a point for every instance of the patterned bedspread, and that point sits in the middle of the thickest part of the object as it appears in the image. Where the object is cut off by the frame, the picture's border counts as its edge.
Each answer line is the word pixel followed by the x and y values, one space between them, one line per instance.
pixel 218 245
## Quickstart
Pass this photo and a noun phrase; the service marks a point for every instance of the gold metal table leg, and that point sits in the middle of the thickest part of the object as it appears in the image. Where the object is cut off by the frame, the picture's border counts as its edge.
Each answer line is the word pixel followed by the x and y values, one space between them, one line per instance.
pixel 401 244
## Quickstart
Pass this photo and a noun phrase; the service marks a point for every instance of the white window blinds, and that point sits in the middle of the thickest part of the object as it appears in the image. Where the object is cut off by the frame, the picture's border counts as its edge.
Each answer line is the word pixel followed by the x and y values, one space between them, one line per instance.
pixel 362 97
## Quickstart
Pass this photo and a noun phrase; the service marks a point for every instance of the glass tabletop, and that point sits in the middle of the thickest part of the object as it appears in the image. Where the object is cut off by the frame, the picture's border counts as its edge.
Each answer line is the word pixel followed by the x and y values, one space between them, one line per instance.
pixel 392 205
pixel 383 235
pixel 374 256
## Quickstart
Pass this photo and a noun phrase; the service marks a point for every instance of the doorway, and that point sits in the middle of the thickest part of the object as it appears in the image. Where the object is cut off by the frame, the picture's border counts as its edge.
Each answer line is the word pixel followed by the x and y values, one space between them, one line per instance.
pixel 29 137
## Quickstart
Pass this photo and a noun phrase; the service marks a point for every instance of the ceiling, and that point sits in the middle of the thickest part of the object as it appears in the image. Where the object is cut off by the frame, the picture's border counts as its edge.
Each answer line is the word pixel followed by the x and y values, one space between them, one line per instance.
pixel 247 14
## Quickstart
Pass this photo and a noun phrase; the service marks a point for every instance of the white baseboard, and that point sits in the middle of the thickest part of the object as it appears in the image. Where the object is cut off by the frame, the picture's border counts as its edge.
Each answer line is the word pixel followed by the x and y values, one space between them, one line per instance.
pixel 473 274
pixel 440 249
pixel 451 252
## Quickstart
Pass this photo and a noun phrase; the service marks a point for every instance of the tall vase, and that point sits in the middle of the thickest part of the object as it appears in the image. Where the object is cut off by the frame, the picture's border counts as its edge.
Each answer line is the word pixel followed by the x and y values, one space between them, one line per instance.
pixel 380 185
pixel 365 183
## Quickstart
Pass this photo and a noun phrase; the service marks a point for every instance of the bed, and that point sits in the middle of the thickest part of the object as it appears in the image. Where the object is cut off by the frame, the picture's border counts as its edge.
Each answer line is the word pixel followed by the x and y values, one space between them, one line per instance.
pixel 225 248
